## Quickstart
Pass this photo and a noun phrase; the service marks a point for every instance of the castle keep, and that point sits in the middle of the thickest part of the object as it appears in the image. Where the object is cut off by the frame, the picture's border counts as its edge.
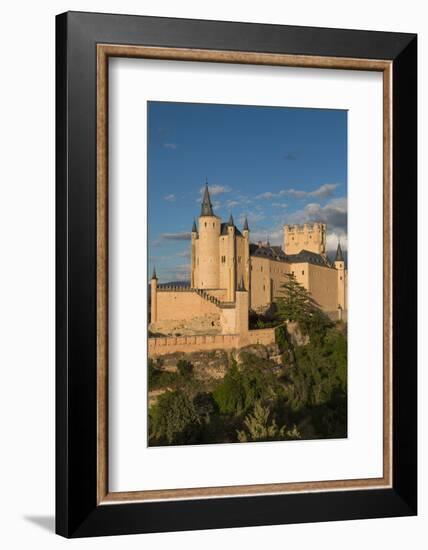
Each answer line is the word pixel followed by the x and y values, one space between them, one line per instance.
pixel 231 276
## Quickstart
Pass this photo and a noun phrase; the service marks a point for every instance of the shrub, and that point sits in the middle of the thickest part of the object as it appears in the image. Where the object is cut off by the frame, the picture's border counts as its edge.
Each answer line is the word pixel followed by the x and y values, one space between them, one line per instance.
pixel 261 427
pixel 174 420
pixel 241 388
pixel 185 368
pixel 282 339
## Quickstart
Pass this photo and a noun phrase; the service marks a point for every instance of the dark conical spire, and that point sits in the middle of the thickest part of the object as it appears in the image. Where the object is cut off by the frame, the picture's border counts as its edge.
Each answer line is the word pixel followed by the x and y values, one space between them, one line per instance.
pixel 339 254
pixel 154 273
pixel 194 229
pixel 206 206
pixel 241 286
pixel 231 222
pixel 246 228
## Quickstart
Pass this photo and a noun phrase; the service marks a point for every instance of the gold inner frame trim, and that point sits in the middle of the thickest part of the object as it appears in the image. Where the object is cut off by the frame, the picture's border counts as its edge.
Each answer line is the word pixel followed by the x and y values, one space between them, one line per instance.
pixel 104 51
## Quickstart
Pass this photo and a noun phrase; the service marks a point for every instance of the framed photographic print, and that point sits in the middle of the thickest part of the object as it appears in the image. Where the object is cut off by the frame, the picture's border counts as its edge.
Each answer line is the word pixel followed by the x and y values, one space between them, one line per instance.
pixel 236 274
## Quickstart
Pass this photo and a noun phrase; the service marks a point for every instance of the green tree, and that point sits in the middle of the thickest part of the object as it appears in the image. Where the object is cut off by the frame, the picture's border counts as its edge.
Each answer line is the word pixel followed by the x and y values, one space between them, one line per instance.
pixel 261 427
pixel 174 420
pixel 318 384
pixel 296 304
pixel 229 395
pixel 243 386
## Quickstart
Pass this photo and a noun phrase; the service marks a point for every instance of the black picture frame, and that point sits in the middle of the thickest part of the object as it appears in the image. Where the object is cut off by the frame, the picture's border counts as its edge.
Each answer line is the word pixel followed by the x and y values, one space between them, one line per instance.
pixel 77 512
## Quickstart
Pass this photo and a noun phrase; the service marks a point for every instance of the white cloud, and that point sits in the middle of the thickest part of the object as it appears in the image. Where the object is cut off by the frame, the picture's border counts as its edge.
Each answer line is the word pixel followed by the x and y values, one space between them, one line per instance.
pixel 332 240
pixel 171 146
pixel 216 189
pixel 170 198
pixel 334 214
pixel 322 192
pixel 252 217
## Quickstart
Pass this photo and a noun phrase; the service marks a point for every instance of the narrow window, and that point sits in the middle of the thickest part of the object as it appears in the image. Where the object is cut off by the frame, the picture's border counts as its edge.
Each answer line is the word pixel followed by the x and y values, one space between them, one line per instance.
pixel 303 272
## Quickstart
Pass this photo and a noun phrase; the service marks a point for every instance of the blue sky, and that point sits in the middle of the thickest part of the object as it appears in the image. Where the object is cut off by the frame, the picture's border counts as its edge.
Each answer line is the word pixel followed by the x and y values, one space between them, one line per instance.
pixel 276 165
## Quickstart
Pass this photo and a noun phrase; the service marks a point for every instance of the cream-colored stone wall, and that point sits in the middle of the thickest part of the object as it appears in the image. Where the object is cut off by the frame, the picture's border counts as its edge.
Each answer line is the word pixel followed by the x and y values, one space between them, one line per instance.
pixel 224 264
pixel 207 253
pixel 323 286
pixel 309 236
pixel 241 244
pixel 189 344
pixel 209 323
pixel 266 278
pixel 176 305
pixel 341 284
pixel 219 293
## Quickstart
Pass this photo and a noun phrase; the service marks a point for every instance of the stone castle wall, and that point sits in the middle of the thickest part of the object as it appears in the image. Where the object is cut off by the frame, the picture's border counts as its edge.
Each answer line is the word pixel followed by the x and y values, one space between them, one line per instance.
pixel 189 344
pixel 309 236
pixel 182 304
pixel 322 284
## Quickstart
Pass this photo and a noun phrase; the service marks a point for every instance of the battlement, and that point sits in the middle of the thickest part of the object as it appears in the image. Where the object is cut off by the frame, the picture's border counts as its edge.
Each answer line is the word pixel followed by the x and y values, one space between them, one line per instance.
pixel 308 236
pixel 301 228
pixel 187 344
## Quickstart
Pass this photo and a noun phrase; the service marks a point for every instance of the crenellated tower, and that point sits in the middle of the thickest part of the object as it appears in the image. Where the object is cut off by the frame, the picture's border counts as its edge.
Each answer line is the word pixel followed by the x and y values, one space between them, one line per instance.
pixel 309 236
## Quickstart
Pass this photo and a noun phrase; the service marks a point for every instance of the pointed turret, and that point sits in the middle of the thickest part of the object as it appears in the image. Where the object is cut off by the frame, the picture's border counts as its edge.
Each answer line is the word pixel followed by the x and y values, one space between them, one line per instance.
pixel 231 222
pixel 241 286
pixel 206 206
pixel 194 229
pixel 339 254
pixel 154 273
pixel 246 228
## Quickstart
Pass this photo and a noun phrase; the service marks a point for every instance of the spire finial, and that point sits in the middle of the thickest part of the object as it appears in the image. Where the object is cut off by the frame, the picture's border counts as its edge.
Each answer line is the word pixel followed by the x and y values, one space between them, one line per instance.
pixel 246 228
pixel 339 254
pixel 154 273
pixel 206 206
pixel 194 228
pixel 231 222
pixel 241 286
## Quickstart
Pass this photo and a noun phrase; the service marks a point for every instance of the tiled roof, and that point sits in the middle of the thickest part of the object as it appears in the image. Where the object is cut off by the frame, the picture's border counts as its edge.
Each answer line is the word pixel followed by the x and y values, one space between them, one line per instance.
pixel 276 253
pixel 224 226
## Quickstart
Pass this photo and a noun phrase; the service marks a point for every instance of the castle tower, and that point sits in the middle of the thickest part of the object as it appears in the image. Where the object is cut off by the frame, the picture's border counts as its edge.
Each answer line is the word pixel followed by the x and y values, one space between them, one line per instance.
pixel 193 270
pixel 231 260
pixel 242 307
pixel 247 276
pixel 339 264
pixel 207 249
pixel 310 236
pixel 154 297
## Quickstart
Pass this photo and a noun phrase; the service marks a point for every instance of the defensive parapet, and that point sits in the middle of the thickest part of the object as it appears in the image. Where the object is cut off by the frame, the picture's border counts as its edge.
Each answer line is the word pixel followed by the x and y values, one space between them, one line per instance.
pixel 309 236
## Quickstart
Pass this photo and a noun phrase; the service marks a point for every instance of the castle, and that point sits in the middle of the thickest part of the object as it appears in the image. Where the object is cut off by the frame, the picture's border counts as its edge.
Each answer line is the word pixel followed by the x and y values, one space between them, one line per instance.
pixel 229 276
